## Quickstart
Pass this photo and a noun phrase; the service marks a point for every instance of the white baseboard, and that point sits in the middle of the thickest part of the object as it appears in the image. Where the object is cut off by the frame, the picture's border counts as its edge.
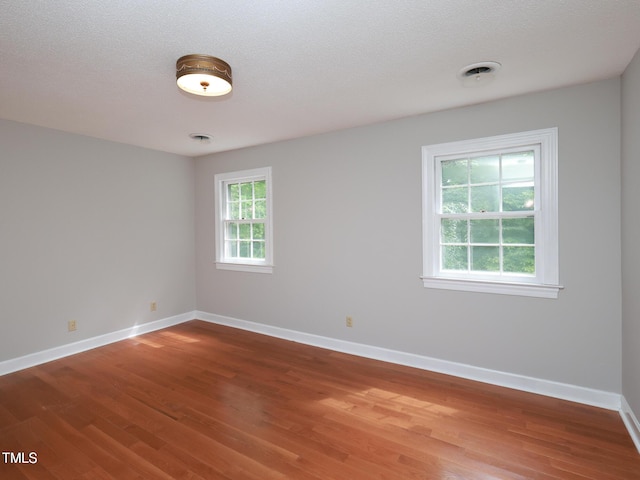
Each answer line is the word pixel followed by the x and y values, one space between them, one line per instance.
pixel 15 364
pixel 631 422
pixel 588 396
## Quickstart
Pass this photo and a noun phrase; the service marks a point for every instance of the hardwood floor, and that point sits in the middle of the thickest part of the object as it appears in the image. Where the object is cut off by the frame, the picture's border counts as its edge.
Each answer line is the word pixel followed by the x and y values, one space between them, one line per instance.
pixel 201 401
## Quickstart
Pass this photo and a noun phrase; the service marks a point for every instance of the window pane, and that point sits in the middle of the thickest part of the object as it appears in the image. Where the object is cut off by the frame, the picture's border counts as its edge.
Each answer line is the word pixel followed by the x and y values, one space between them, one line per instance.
pixel 455 200
pixel 245 231
pixel 485 170
pixel 232 248
pixel 455 172
pixel 519 260
pixel 258 231
pixel 260 210
pixel 485 231
pixel 233 192
pixel 518 166
pixel 454 258
pixel 485 198
pixel 246 210
pixel 232 231
pixel 518 230
pixel 485 259
pixel 517 197
pixel 245 249
pixel 453 231
pixel 234 210
pixel 258 249
pixel 260 189
pixel 246 191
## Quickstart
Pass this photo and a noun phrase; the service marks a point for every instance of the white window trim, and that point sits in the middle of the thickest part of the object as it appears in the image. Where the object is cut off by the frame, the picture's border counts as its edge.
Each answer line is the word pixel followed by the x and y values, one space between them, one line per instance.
pixel 545 284
pixel 245 265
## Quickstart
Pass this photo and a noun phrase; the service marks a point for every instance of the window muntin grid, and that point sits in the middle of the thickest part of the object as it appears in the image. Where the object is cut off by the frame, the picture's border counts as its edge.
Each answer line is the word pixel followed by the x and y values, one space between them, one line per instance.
pixel 245 220
pixel 486 208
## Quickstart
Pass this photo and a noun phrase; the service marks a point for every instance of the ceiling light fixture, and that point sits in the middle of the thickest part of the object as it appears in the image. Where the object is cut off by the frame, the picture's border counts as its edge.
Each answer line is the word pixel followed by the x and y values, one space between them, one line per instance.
pixel 478 74
pixel 203 75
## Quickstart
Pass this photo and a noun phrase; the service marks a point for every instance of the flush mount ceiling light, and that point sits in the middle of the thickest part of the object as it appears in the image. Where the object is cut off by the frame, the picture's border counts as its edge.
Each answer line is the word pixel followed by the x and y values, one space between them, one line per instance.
pixel 203 75
pixel 478 74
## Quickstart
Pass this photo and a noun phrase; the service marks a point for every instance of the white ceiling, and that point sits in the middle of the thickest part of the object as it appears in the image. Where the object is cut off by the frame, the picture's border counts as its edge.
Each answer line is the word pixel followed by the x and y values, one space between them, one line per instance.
pixel 106 68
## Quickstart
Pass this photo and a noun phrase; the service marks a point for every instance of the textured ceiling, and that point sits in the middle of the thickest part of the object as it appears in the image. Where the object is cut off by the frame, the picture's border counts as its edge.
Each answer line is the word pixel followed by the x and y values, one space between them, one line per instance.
pixel 107 68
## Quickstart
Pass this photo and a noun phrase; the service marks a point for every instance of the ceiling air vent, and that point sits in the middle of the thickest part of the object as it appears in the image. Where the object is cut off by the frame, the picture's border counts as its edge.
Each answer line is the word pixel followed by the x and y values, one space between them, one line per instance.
pixel 201 137
pixel 478 74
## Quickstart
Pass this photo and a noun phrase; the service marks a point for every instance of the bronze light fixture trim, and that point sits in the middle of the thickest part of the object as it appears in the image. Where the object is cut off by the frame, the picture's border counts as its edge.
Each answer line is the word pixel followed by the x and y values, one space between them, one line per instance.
pixel 203 75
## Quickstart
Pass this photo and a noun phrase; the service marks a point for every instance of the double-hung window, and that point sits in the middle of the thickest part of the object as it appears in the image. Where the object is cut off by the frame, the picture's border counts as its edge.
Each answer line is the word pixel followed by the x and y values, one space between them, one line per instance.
pixel 244 237
pixel 490 215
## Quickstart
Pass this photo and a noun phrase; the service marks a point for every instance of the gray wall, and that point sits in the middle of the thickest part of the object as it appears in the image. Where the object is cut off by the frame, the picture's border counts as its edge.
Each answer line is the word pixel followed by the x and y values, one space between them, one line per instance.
pixel 631 234
pixel 94 231
pixel 348 242
pixel 91 231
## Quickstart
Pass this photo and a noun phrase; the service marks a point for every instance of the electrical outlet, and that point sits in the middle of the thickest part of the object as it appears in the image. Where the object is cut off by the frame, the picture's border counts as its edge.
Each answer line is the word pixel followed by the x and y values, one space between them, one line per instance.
pixel 71 325
pixel 349 321
pixel 153 306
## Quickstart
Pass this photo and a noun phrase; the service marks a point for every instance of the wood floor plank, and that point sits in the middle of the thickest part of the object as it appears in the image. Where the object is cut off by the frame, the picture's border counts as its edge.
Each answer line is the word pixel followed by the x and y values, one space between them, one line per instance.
pixel 200 401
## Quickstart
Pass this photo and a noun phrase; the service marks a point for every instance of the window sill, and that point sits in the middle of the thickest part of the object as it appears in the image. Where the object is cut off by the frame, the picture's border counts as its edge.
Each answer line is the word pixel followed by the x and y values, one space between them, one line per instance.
pixel 503 288
pixel 245 267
